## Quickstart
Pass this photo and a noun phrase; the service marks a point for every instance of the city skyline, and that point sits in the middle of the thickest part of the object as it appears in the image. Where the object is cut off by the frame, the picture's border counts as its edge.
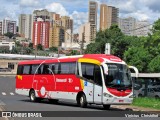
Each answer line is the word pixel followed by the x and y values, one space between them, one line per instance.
pixel 141 10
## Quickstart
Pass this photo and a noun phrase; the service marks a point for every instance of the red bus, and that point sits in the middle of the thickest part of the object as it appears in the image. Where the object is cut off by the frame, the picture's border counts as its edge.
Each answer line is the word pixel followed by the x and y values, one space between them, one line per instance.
pixel 87 79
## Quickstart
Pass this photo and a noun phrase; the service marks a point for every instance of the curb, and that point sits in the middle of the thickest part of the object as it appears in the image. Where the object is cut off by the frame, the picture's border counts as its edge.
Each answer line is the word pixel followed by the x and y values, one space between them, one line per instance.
pixel 136 108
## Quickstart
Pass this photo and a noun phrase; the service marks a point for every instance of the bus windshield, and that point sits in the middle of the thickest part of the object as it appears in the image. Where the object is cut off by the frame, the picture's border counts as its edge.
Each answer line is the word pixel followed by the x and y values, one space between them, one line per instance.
pixel 118 76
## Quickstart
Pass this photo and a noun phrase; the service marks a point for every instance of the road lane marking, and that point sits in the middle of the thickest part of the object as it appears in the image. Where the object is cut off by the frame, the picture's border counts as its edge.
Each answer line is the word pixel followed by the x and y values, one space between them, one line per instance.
pixel 3 93
pixel 11 93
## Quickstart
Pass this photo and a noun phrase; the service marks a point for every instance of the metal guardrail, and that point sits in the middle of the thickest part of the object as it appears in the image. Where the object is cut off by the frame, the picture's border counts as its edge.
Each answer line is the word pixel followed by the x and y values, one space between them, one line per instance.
pixel 7 73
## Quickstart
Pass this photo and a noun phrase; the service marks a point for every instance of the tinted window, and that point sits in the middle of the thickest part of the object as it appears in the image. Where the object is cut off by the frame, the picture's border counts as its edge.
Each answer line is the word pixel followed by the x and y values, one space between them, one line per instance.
pixel 19 70
pixel 97 75
pixel 87 71
pixel 46 69
pixel 34 69
pixel 26 69
pixel 55 68
pixel 67 68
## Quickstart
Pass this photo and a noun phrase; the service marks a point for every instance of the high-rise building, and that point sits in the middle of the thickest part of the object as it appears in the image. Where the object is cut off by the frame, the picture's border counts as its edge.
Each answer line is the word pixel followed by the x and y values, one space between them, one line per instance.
pixel 1 23
pixel 44 14
pixel 41 33
pixel 12 27
pixel 132 27
pixel 6 25
pixel 56 36
pixel 127 25
pixel 25 22
pixel 108 16
pixel 56 20
pixel 92 19
pixel 67 23
pixel 85 33
pixel 142 28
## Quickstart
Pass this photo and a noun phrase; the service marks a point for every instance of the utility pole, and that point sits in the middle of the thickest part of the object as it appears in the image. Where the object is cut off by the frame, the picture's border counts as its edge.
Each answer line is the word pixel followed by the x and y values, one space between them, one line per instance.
pixel 35 51
pixel 82 44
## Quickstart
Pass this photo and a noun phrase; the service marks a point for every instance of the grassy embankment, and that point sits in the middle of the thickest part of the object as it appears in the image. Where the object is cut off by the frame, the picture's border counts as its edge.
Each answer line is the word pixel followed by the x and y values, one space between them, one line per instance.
pixel 147 102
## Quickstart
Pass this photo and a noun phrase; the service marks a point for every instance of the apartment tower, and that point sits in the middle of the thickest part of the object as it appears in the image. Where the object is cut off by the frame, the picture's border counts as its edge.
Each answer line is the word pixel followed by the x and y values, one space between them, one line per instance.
pixel 25 22
pixel 41 33
pixel 108 16
pixel 93 8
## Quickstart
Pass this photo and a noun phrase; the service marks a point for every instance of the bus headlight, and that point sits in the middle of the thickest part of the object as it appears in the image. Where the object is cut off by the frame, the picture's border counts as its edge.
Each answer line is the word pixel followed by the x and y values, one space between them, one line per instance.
pixel 107 95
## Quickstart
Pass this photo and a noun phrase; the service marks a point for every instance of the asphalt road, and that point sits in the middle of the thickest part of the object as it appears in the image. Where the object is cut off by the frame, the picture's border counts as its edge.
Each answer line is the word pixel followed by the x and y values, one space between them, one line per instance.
pixel 9 101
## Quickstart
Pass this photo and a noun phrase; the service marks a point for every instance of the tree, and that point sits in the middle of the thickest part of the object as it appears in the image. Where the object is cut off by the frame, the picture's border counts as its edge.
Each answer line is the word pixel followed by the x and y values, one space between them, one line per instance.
pixel 53 49
pixel 28 50
pixel 9 34
pixel 154 65
pixel 39 47
pixel 139 57
pixel 30 45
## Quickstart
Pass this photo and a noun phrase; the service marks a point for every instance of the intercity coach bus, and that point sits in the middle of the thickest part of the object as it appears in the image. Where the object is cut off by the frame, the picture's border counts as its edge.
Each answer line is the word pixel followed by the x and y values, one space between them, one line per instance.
pixel 87 79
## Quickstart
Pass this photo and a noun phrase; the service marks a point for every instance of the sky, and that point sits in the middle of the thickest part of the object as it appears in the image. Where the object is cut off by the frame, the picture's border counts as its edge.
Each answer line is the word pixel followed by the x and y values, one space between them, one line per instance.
pixel 78 9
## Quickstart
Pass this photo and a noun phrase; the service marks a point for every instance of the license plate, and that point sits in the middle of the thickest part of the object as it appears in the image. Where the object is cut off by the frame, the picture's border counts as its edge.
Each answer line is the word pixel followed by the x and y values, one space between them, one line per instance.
pixel 121 100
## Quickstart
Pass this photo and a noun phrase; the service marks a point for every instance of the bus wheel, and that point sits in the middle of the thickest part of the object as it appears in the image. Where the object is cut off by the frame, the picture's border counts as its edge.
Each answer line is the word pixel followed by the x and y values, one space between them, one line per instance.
pixel 32 96
pixel 82 101
pixel 106 107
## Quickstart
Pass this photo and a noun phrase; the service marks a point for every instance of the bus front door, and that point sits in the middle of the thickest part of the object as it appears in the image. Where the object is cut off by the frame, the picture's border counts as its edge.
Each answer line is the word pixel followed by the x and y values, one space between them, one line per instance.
pixel 97 85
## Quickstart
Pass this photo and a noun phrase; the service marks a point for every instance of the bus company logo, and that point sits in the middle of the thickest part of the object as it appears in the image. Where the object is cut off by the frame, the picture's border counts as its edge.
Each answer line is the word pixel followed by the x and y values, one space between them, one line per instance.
pixel 61 80
pixel 70 80
pixel 6 114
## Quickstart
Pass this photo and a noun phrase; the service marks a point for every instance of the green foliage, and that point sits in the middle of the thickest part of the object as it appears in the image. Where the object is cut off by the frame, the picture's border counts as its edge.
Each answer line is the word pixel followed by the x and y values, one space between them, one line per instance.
pixel 39 47
pixel 147 102
pixel 30 45
pixel 137 56
pixel 154 65
pixel 53 49
pixel 9 34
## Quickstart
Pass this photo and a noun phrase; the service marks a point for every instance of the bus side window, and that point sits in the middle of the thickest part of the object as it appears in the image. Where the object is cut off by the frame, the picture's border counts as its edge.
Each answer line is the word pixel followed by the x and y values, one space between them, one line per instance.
pixel 72 68
pixel 97 75
pixel 56 68
pixel 26 70
pixel 20 70
pixel 34 69
pixel 45 69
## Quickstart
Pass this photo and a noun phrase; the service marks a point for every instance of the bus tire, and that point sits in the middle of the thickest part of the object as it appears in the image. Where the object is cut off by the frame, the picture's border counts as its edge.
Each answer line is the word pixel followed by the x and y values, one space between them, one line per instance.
pixel 106 107
pixel 82 101
pixel 32 96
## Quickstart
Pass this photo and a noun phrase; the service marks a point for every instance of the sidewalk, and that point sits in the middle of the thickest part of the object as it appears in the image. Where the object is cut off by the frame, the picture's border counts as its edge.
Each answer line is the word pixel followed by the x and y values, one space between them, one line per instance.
pixel 135 108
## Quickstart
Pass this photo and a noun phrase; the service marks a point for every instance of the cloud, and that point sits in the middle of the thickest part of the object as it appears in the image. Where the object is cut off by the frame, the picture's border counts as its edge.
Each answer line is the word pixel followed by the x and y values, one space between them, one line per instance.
pixel 79 18
pixel 152 4
pixel 29 3
pixel 58 8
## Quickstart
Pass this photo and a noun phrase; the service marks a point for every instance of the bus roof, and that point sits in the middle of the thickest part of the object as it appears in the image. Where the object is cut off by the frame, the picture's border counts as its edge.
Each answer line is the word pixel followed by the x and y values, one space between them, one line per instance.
pixel 99 57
